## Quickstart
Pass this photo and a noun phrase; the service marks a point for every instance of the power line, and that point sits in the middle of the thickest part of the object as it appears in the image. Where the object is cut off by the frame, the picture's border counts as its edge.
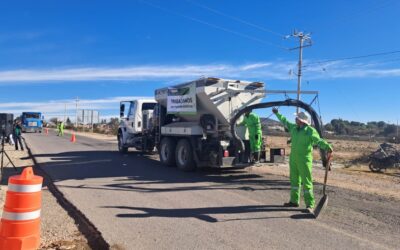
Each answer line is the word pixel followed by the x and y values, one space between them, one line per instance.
pixel 235 18
pixel 213 25
pixel 353 57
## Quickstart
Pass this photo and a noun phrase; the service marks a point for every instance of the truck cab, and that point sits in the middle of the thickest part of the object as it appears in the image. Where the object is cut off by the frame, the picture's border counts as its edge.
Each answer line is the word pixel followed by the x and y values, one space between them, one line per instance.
pixel 136 120
pixel 32 122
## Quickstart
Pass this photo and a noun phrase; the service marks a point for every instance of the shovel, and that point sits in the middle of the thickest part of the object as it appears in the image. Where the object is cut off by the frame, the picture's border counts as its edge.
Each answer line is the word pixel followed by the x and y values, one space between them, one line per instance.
pixel 324 200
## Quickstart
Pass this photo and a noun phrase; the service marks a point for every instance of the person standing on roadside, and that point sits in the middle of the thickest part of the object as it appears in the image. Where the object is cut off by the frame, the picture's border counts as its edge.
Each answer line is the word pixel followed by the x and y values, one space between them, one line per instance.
pixel 17 130
pixel 61 129
pixel 253 124
pixel 304 137
pixel 58 128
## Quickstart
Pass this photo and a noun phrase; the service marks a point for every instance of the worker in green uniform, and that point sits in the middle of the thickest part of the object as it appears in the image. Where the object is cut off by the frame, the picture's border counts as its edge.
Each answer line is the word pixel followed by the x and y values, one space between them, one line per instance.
pixel 58 128
pixel 304 137
pixel 61 129
pixel 253 124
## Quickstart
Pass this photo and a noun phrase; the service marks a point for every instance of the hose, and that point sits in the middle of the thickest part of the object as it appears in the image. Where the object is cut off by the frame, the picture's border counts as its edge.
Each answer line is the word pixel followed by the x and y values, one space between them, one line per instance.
pixel 289 102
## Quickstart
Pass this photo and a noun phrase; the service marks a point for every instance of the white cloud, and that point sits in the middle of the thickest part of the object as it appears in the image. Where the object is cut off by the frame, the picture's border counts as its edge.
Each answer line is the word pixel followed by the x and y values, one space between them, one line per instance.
pixel 108 107
pixel 259 71
pixel 144 73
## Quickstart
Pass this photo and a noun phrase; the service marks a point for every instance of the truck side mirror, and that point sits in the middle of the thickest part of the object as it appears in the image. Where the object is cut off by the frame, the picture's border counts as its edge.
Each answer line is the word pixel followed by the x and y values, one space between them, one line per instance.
pixel 121 110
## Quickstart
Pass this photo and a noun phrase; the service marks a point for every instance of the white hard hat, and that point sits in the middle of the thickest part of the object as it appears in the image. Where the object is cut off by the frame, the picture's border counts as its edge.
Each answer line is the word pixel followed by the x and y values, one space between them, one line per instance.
pixel 303 117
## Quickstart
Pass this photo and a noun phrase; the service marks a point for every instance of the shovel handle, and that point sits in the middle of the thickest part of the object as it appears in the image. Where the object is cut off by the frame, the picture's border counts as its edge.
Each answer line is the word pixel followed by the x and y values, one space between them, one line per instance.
pixel 327 168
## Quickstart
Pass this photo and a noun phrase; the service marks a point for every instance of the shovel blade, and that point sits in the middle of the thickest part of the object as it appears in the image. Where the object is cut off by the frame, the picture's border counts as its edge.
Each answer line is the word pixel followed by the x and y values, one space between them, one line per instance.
pixel 321 205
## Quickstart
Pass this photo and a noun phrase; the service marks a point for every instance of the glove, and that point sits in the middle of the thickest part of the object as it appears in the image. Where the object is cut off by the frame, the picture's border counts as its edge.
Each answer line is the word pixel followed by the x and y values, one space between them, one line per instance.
pixel 275 110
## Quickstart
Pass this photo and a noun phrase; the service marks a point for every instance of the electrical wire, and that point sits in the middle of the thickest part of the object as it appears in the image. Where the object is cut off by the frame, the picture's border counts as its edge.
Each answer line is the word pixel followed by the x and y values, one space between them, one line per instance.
pixel 213 25
pixel 218 12
pixel 352 58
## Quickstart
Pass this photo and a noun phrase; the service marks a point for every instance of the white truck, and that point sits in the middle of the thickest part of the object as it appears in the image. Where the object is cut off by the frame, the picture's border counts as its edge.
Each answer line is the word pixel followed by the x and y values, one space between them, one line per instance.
pixel 189 124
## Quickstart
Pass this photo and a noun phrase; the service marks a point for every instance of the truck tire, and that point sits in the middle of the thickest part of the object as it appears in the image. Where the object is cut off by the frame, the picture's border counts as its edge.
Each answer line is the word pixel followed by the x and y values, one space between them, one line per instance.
pixel 167 151
pixel 121 148
pixel 184 156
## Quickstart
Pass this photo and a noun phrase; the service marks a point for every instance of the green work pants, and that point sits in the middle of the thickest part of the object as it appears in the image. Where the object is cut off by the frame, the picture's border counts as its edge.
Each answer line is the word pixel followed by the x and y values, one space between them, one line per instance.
pixel 255 141
pixel 300 175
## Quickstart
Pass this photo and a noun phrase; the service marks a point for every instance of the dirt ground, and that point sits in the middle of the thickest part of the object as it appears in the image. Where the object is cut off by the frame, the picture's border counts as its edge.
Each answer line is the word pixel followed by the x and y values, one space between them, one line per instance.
pixel 58 229
pixel 346 152
pixel 351 171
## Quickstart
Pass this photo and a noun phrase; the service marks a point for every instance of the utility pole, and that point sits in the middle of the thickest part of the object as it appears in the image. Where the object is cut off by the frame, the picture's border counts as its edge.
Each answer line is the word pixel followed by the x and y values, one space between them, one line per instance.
pixel 65 111
pixel 76 114
pixel 304 41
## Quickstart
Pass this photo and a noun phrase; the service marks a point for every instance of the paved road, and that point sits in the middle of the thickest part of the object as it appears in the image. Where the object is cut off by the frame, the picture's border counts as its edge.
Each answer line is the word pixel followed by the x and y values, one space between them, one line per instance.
pixel 139 204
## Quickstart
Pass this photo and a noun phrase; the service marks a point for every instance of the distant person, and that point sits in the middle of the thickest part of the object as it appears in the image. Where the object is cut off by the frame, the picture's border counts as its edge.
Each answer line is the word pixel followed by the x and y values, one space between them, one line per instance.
pixel 17 130
pixel 303 138
pixel 61 129
pixel 58 128
pixel 253 124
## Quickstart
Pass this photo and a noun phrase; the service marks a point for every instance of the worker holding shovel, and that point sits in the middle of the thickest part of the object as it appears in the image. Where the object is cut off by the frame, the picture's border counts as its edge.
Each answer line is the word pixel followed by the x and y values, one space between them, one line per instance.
pixel 304 137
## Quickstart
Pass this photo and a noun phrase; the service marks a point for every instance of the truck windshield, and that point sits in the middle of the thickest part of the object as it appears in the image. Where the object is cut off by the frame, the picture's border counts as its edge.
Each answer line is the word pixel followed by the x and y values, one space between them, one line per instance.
pixel 35 116
pixel 148 106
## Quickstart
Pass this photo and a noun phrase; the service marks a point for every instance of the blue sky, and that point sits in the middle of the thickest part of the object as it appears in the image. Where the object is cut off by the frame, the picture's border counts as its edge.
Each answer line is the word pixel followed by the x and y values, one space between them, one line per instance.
pixel 106 51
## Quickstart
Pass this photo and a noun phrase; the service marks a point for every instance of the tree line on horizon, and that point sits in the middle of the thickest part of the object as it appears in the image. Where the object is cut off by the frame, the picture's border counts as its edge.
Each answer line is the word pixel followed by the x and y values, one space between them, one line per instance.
pixel 373 128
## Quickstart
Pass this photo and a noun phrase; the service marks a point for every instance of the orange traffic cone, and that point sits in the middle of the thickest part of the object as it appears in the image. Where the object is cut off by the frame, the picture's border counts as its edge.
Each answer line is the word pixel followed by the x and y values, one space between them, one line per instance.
pixel 20 223
pixel 73 138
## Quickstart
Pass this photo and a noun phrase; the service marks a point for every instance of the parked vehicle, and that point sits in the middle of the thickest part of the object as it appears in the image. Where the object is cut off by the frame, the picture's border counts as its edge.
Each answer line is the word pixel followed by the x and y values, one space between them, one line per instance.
pixel 387 156
pixel 189 124
pixel 197 124
pixel 32 122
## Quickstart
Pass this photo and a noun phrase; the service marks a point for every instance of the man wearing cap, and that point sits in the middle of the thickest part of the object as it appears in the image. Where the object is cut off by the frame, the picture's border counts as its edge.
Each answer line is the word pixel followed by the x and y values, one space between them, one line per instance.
pixel 253 124
pixel 304 137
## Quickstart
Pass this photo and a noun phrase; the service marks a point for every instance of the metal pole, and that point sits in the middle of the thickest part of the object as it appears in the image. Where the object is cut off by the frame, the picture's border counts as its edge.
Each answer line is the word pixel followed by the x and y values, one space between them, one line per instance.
pixel 299 71
pixel 302 38
pixel 65 111
pixel 76 114
pixel 92 120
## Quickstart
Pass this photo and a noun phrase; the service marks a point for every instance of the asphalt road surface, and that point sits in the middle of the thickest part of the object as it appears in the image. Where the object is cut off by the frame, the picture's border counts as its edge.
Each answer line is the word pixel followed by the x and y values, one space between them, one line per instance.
pixel 137 203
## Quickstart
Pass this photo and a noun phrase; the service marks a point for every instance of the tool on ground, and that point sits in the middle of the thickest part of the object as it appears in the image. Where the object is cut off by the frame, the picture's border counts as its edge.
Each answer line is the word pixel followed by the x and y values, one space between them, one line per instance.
pixel 73 138
pixel 20 222
pixel 324 200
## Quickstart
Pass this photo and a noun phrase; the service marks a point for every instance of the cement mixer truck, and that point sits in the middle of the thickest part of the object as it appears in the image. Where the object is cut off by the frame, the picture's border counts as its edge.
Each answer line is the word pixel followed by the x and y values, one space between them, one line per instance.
pixel 189 124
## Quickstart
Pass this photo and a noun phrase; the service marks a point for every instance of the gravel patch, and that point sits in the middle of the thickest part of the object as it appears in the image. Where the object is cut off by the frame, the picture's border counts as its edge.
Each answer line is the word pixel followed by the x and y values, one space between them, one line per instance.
pixel 58 230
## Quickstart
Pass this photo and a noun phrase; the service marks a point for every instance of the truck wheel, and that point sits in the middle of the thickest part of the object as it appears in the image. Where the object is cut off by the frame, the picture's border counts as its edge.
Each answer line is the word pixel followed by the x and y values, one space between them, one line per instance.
pixel 184 156
pixel 121 147
pixel 167 151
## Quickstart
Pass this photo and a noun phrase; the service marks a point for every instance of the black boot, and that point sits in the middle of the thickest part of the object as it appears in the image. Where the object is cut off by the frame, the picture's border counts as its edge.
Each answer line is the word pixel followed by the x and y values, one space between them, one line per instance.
pixel 290 204
pixel 256 157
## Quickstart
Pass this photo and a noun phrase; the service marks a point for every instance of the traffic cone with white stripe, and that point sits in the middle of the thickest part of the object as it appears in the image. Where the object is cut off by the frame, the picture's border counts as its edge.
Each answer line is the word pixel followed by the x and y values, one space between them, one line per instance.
pixel 20 222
